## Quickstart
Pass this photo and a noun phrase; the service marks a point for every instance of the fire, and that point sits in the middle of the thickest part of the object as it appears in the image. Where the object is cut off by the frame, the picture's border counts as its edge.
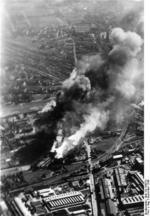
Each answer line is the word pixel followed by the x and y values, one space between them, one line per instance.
pixel 96 118
pixel 100 90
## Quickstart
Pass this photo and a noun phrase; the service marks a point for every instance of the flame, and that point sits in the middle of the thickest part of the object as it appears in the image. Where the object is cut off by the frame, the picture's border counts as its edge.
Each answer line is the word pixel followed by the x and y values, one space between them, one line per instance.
pixel 96 118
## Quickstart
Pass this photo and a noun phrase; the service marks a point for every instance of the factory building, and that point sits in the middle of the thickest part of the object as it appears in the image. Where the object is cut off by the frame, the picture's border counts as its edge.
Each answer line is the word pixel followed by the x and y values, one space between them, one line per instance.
pixel 136 211
pixel 111 208
pixel 106 189
pixel 137 180
pixel 64 200
pixel 133 200
pixel 134 205
pixel 139 164
pixel 49 203
pixel 107 195
pixel 19 208
pixel 46 192
pixel 120 177
pixel 4 211
pixel 117 157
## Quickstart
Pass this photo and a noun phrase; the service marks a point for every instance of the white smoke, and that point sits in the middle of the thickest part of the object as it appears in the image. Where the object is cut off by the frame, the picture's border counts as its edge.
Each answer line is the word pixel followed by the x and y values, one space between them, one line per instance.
pixel 126 75
pixel 128 81
pixel 127 40
pixel 76 79
pixel 96 118
pixel 130 75
pixel 89 62
pixel 68 83
pixel 48 107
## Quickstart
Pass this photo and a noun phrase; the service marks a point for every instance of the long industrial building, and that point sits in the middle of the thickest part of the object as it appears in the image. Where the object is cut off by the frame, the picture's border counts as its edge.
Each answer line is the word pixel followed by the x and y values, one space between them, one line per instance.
pixel 64 200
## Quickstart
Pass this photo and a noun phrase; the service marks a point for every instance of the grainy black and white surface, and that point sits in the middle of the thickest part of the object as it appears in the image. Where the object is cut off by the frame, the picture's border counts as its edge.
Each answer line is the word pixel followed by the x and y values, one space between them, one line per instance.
pixel 72 99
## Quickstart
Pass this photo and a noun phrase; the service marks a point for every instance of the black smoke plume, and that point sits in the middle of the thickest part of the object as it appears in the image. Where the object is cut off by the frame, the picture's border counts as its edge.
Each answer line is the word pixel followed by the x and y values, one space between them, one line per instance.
pixel 97 92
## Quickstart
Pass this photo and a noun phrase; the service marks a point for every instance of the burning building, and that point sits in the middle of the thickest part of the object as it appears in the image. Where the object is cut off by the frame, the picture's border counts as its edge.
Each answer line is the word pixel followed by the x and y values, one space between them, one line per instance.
pixel 99 91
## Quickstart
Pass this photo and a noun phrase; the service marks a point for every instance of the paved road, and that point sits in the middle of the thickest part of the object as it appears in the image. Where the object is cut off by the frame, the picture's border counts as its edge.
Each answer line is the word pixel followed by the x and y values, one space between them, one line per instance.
pixel 92 183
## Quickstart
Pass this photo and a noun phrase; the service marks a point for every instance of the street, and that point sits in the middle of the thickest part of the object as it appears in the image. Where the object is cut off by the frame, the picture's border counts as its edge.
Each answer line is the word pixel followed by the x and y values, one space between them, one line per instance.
pixel 92 184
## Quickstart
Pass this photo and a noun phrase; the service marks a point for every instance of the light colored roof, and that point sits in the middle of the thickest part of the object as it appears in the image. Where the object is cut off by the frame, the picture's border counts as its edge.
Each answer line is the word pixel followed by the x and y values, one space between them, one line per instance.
pixel 65 195
pixel 66 199
pixel 133 199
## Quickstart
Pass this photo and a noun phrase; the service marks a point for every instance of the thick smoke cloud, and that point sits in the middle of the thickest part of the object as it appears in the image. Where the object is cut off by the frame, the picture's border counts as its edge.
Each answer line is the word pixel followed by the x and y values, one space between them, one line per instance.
pixel 126 45
pixel 98 91
pixel 79 76
pixel 76 80
pixel 129 42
